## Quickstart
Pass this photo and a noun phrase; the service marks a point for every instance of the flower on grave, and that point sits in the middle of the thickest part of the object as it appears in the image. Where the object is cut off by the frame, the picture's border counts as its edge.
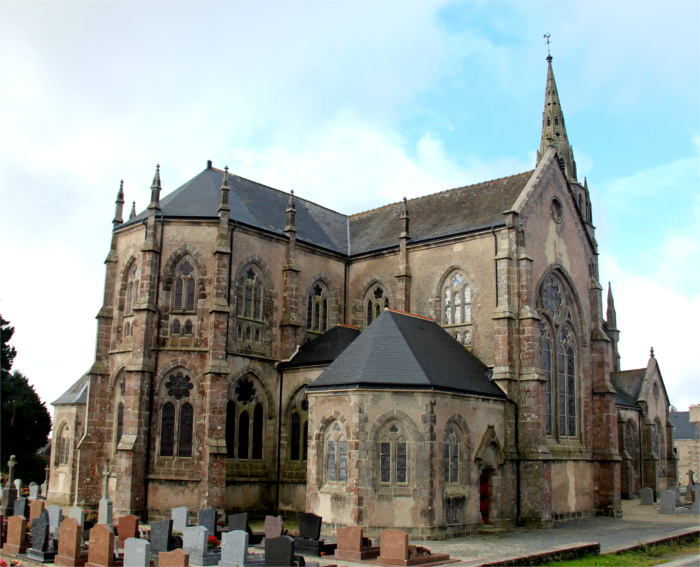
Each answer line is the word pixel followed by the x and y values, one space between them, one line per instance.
pixel 213 541
pixel 3 563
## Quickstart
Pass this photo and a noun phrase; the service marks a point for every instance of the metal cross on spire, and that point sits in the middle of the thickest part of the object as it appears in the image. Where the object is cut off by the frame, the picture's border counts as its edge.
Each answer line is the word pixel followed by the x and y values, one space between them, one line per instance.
pixel 546 37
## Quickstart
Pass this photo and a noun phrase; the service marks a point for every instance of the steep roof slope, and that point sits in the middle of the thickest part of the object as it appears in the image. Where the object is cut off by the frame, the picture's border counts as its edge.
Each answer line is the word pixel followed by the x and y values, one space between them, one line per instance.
pixel 683 427
pixel 323 349
pixel 400 350
pixel 76 394
pixel 449 213
pixel 255 205
pixel 452 212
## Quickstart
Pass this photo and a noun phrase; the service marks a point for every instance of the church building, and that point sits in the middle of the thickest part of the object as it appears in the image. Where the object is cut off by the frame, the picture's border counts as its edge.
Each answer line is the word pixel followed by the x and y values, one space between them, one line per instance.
pixel 431 365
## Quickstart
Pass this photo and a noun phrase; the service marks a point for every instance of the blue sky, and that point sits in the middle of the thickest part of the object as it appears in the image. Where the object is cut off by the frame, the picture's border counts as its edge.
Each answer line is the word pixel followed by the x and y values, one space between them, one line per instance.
pixel 353 105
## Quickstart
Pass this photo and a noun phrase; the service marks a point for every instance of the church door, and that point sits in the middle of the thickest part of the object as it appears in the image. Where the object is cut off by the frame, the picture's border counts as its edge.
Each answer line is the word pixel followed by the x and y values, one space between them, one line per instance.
pixel 484 492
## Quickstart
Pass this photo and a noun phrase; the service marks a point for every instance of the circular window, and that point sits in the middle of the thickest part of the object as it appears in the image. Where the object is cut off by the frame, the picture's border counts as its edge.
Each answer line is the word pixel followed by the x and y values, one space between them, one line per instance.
pixel 557 210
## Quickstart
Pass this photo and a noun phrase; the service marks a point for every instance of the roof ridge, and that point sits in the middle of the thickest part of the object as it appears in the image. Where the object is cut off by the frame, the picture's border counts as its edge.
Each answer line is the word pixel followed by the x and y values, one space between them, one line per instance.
pixel 409 314
pixel 441 192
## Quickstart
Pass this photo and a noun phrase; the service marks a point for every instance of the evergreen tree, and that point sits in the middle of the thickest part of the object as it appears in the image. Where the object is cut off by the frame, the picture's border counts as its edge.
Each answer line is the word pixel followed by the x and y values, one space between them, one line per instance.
pixel 25 421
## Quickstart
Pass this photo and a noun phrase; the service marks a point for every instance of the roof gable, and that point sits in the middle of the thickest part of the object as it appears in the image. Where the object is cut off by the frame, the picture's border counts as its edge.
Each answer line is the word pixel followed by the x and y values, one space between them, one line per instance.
pixel 404 351
pixel 323 349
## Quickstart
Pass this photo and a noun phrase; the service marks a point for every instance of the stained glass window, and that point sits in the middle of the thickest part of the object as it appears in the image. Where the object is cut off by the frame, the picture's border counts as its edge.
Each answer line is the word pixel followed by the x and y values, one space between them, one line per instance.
pixel 258 433
pixel 186 430
pixel 167 430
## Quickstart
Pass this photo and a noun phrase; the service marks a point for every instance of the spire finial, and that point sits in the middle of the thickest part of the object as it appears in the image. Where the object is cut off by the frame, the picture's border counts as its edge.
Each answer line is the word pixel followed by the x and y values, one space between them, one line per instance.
pixel 651 352
pixel 224 207
pixel 119 206
pixel 546 38
pixel 291 214
pixel 155 190
pixel 133 210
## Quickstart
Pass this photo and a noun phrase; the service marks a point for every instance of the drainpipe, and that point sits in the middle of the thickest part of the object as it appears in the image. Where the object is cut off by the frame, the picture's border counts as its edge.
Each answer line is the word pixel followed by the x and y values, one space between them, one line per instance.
pixel 518 504
pixel 279 446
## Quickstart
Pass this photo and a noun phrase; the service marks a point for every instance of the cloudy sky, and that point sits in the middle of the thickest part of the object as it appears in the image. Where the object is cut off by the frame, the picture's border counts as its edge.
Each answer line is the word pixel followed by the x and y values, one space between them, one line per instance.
pixel 353 105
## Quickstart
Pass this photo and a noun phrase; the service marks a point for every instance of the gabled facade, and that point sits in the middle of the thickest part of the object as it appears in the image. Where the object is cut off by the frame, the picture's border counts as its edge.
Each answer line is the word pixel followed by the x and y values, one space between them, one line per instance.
pixel 221 310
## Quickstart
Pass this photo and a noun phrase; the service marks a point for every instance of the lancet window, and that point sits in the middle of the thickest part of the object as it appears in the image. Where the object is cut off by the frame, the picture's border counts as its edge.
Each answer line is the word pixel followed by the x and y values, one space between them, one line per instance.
pixel 375 302
pixel 457 307
pixel 558 348
pixel 336 454
pixel 317 306
pixel 299 428
pixel 393 454
pixel 177 417
pixel 245 423
pixel 451 456
pixel 250 307
pixel 132 289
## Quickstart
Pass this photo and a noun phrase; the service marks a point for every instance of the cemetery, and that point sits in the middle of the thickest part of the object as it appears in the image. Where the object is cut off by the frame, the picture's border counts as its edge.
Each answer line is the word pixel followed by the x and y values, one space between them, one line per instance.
pixel 43 534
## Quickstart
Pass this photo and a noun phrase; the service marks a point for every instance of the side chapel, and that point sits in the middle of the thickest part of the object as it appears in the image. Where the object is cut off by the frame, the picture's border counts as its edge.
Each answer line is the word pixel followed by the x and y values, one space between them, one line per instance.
pixel 431 365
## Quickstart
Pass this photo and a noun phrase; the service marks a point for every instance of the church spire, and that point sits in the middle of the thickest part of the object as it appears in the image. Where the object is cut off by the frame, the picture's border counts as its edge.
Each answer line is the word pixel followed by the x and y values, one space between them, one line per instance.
pixel 554 129
pixel 155 190
pixel 119 206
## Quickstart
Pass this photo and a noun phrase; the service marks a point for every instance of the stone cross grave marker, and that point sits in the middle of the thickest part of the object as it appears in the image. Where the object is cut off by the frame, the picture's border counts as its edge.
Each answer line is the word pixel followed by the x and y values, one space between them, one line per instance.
pixel 9 491
pixel 104 512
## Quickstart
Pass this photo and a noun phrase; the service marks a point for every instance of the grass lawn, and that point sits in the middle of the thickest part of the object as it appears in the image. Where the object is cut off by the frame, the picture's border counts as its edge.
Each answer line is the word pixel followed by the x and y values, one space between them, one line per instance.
pixel 645 556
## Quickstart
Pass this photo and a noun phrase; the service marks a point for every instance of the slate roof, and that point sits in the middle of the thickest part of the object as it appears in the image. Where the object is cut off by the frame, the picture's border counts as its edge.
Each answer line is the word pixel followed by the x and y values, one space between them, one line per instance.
pixel 628 384
pixel 683 427
pixel 254 205
pixel 456 211
pixel 76 394
pixel 449 213
pixel 324 349
pixel 404 351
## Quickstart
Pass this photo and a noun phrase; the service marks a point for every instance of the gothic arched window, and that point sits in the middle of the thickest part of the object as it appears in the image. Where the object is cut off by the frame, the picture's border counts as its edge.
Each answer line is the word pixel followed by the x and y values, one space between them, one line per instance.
pixel 185 276
pixel 245 421
pixel 132 289
pixel 317 309
pixel 250 308
pixel 298 427
pixel 393 454
pixel 376 301
pixel 558 348
pixel 336 446
pixel 451 456
pixel 456 295
pixel 177 417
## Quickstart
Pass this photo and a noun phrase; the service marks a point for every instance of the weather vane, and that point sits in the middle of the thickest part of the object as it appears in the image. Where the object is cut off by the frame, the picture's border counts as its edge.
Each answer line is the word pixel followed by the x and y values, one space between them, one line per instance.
pixel 546 37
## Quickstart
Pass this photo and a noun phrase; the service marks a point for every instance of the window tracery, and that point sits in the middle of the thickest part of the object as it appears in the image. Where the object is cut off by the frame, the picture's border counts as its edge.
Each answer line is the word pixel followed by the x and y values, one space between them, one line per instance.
pixel 375 302
pixel 245 424
pixel 336 454
pixel 183 300
pixel 457 307
pixel 317 314
pixel 250 308
pixel 299 427
pixel 558 347
pixel 177 416
pixel 393 454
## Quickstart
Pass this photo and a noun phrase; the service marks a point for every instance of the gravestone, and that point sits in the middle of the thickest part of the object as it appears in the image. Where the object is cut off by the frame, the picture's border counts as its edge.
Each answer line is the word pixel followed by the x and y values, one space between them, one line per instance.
pixel 176 558
pixel 2 531
pixel 274 526
pixel 279 551
pixel 207 519
pixel 104 509
pixel 668 504
pixel 353 546
pixel 309 541
pixel 36 509
pixel 9 491
pixel 78 514
pixel 55 519
pixel 194 542
pixel 21 507
pixel 128 527
pixel 33 491
pixel 41 549
pixel 393 547
pixel 181 518
pixel 69 544
pixel 234 549
pixel 677 493
pixel 18 486
pixel 101 549
pixel 647 495
pixel 161 536
pixel 45 485
pixel 137 552
pixel 238 522
pixel 16 540
pixel 695 506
